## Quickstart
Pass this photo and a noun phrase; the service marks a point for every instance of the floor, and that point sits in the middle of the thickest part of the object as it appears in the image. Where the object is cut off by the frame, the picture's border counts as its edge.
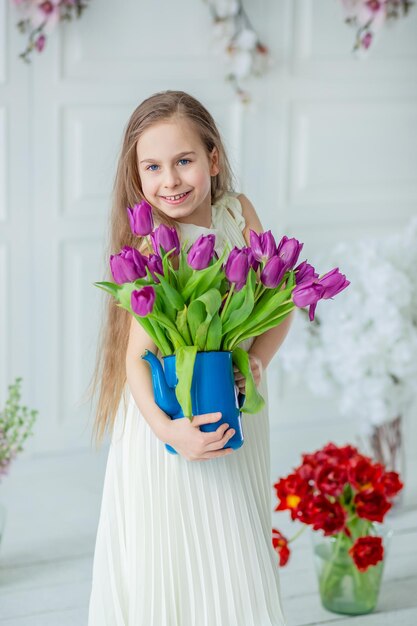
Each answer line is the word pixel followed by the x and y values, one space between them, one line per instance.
pixel 46 555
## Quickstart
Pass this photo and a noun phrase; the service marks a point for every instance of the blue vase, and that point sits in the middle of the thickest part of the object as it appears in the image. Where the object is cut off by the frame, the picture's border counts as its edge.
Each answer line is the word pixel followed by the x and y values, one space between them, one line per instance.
pixel 213 389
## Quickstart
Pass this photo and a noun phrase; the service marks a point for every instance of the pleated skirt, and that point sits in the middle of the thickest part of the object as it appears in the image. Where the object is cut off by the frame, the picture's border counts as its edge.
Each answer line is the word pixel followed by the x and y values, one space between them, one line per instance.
pixel 185 543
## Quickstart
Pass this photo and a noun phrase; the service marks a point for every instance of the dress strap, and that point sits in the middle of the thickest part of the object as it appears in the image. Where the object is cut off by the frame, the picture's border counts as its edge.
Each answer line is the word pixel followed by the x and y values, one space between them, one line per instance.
pixel 229 207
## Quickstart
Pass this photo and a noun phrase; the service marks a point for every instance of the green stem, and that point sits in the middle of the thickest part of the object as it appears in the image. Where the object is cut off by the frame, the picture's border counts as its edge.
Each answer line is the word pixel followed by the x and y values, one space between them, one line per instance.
pixel 259 291
pixel 249 332
pixel 328 568
pixel 298 533
pixel 226 304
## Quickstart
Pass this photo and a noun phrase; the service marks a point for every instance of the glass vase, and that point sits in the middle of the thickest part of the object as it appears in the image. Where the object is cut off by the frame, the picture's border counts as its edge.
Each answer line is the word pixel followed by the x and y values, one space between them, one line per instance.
pixel 343 588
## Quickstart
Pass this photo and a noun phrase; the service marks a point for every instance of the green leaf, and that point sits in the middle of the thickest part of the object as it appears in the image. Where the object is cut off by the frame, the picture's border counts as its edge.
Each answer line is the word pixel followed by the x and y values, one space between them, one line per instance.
pixel 290 280
pixel 174 298
pixel 200 318
pixel 182 325
pixel 236 317
pixel 184 270
pixel 211 300
pixel 254 402
pixel 214 334
pixel 201 334
pixel 202 280
pixel 261 328
pixel 195 317
pixel 184 368
pixel 164 321
pixel 156 333
pixel 111 288
pixel 266 308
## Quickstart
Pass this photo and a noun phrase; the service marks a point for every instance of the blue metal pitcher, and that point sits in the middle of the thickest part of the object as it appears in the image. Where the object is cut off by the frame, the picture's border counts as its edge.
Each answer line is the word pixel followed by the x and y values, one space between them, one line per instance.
pixel 213 389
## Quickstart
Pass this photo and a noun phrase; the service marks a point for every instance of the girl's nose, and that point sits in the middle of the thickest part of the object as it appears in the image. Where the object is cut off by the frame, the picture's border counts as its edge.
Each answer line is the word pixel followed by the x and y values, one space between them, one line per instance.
pixel 172 179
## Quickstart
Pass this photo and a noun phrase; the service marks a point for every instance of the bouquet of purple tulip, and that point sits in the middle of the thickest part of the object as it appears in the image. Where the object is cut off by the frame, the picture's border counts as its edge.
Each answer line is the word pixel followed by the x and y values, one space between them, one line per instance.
pixel 212 303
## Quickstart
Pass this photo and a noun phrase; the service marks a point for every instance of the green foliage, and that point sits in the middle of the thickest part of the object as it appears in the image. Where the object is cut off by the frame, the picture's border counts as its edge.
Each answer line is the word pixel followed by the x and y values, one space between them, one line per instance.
pixel 16 422
pixel 254 402
pixel 184 365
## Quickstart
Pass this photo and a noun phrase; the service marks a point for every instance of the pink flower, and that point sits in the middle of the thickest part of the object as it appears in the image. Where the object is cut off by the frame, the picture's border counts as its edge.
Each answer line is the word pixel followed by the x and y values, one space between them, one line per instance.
pixel 40 43
pixel 364 11
pixel 366 40
pixel 45 12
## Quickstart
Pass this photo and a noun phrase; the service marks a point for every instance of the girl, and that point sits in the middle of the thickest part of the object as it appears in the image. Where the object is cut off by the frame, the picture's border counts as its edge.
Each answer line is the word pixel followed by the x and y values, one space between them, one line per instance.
pixel 180 542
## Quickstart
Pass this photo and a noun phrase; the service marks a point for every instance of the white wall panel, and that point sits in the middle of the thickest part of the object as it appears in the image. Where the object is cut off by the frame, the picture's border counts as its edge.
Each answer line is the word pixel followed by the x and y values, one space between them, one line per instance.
pixel 3 161
pixel 4 321
pixel 140 41
pixel 3 40
pixel 80 323
pixel 350 154
pixel 322 45
pixel 90 141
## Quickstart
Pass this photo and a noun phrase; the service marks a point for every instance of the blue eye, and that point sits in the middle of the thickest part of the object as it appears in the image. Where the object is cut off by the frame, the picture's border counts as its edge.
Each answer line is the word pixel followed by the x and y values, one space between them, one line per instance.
pixel 154 165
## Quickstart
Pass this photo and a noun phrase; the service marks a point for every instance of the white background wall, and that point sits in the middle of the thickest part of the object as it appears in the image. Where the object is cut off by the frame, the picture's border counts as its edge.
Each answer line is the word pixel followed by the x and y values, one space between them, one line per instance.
pixel 327 151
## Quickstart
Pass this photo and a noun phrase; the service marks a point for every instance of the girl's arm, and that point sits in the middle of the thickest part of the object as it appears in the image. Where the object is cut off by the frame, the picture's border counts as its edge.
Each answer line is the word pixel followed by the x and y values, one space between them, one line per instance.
pixel 139 379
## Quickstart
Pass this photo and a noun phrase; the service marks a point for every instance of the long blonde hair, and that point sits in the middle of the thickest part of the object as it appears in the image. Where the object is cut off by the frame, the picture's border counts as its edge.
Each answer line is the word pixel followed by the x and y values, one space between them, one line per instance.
pixel 109 377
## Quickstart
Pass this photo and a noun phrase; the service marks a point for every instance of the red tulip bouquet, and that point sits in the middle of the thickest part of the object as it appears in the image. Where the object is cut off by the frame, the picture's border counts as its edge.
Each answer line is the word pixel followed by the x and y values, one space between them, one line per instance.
pixel 211 303
pixel 345 495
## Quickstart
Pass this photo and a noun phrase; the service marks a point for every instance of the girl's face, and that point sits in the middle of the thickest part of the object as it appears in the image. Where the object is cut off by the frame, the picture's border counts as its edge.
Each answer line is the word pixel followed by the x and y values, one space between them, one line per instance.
pixel 175 171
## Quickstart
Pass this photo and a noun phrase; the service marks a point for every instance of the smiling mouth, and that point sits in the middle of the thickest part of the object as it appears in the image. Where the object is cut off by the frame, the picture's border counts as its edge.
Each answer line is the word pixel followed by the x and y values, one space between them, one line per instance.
pixel 177 197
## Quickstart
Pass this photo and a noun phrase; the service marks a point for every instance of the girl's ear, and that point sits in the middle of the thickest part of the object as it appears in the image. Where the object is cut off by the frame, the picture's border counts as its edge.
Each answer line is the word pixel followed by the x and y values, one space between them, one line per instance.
pixel 214 162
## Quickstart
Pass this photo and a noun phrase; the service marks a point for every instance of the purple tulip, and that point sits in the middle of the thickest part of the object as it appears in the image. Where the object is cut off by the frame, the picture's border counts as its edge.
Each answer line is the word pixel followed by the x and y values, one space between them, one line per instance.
pixel 140 219
pixel 289 251
pixel 253 263
pixel 128 265
pixel 155 266
pixel 304 272
pixel 143 300
pixel 167 237
pixel 201 252
pixel 273 272
pixel 237 267
pixel 308 294
pixel 263 246
pixel 333 282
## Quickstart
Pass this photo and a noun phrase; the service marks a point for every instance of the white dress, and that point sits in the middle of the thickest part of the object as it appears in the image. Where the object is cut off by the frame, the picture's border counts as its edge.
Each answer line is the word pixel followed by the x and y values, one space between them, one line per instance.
pixel 187 543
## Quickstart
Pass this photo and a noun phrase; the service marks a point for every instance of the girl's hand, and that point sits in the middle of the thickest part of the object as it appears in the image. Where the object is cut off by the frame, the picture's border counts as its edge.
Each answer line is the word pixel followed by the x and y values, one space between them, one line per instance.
pixel 193 444
pixel 257 371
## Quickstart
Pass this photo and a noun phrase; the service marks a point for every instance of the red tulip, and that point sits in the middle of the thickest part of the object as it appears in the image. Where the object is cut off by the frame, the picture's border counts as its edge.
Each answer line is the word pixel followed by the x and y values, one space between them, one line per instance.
pixel 280 544
pixel 371 505
pixel 367 551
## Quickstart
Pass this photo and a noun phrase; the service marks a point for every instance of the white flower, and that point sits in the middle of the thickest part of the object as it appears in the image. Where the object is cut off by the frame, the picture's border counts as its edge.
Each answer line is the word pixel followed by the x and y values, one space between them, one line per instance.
pixel 246 39
pixel 241 63
pixel 365 344
pixel 225 8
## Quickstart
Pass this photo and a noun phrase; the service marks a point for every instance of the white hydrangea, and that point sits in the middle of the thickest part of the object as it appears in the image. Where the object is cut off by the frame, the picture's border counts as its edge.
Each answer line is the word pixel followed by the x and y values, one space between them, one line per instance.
pixel 363 343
